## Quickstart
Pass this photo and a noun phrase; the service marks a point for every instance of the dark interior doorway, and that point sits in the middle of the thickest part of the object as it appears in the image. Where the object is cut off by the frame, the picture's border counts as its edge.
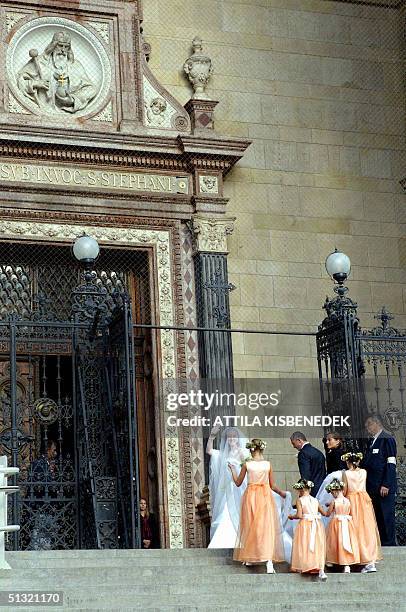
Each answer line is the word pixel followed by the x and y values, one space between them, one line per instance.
pixel 39 278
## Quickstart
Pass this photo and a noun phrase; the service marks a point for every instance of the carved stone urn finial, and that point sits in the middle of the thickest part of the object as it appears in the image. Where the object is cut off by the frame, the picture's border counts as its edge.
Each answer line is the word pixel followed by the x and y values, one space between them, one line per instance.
pixel 198 67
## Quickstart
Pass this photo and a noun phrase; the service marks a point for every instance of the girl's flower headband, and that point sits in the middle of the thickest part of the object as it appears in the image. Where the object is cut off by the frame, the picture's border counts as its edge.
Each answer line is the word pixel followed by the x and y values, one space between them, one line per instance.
pixel 352 456
pixel 335 485
pixel 303 484
pixel 253 445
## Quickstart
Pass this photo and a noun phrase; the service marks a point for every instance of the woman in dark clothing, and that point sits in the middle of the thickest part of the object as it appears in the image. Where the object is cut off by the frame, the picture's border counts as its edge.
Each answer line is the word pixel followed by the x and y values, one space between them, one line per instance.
pixel 149 535
pixel 334 445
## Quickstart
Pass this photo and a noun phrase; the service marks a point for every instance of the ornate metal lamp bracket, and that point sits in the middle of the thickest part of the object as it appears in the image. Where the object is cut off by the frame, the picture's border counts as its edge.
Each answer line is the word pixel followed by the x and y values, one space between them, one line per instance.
pixel 89 300
pixel 220 288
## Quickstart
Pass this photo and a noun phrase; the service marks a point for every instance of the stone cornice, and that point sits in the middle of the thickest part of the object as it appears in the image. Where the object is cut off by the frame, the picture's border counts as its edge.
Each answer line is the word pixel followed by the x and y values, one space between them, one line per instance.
pixel 161 152
pixel 200 145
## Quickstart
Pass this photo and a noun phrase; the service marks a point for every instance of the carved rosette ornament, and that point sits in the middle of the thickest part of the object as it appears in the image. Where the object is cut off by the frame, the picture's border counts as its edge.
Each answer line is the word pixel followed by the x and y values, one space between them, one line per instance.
pixel 210 234
pixel 198 68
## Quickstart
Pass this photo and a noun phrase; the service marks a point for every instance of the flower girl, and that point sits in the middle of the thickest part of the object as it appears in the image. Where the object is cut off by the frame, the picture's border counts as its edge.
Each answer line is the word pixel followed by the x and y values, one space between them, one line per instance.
pixel 260 535
pixel 362 511
pixel 342 543
pixel 309 541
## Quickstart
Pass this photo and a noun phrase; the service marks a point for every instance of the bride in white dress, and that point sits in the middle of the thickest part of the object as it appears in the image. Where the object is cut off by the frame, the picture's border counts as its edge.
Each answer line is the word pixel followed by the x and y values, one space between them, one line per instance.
pixel 225 497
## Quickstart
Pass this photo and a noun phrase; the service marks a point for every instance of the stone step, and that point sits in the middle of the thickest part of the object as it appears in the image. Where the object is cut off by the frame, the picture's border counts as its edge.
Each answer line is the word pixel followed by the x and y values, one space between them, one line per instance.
pixel 312 606
pixel 104 559
pixel 140 570
pixel 398 551
pixel 193 582
pixel 208 599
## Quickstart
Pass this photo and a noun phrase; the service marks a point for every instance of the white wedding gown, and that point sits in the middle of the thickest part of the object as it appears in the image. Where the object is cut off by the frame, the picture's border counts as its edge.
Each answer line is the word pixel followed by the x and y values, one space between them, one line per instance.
pixel 225 499
pixel 324 498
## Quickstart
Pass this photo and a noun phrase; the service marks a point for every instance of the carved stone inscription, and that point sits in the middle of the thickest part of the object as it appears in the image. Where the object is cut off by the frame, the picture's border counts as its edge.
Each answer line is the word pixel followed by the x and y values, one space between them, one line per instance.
pixel 67 176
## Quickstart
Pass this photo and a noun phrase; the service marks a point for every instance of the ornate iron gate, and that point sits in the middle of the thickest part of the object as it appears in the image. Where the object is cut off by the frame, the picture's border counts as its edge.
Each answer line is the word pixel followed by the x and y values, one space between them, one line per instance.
pixel 67 388
pixel 362 371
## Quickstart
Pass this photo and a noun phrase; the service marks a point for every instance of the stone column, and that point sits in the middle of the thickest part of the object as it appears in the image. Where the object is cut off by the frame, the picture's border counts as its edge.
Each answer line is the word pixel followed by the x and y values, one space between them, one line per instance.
pixel 212 295
pixel 213 310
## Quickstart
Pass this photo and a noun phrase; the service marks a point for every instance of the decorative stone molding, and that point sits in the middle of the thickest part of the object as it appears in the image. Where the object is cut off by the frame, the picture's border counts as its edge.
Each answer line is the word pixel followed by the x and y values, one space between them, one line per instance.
pixel 105 115
pixel 210 234
pixel 15 107
pixel 160 241
pixel 102 29
pixel 198 68
pixel 181 153
pixel 13 18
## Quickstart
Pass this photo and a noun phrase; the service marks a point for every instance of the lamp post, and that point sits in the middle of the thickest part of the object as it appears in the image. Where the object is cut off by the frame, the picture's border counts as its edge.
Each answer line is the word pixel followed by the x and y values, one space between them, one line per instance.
pixel 89 298
pixel 86 250
pixel 338 266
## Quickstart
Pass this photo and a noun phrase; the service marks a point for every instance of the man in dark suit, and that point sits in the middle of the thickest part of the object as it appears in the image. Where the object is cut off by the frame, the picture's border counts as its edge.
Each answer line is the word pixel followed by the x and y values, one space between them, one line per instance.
pixel 380 464
pixel 311 461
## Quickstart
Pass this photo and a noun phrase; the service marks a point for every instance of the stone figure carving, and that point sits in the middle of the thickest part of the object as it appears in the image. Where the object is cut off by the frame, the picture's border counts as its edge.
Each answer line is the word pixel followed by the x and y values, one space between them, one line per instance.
pixel 208 184
pixel 155 111
pixel 198 67
pixel 55 80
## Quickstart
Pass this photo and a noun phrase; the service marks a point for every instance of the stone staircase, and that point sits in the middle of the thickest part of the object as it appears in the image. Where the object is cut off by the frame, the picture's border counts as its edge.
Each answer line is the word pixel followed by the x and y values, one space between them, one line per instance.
pixel 196 579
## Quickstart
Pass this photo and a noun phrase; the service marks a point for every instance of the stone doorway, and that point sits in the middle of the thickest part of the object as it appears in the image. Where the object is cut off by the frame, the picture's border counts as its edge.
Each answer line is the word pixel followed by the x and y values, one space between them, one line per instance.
pixel 36 281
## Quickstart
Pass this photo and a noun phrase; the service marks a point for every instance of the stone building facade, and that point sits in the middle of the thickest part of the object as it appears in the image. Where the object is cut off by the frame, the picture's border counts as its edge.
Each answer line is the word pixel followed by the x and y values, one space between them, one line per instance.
pixel 294 145
pixel 318 86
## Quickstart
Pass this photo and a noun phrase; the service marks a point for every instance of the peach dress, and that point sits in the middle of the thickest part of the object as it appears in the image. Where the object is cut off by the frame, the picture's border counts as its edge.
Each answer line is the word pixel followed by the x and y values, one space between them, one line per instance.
pixel 309 541
pixel 259 536
pixel 363 515
pixel 342 543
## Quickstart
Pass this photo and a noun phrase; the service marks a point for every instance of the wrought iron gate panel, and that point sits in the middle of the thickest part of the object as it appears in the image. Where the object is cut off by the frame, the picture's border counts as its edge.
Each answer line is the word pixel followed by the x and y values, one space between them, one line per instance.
pixel 67 374
pixel 340 372
pixel 120 384
pixel 35 409
pixel 73 384
pixel 361 372
pixel 383 353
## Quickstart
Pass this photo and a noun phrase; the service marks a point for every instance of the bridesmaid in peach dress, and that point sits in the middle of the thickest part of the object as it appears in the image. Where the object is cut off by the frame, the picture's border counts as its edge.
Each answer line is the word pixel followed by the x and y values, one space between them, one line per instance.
pixel 259 536
pixel 309 541
pixel 342 543
pixel 362 511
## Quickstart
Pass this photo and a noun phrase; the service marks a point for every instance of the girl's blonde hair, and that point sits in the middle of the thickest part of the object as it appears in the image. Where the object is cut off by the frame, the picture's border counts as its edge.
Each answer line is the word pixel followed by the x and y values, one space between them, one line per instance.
pixel 256 444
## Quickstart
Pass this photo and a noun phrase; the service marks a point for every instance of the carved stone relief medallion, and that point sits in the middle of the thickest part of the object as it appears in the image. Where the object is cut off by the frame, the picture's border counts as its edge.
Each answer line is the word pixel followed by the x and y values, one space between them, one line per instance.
pixel 58 67
pixel 208 184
